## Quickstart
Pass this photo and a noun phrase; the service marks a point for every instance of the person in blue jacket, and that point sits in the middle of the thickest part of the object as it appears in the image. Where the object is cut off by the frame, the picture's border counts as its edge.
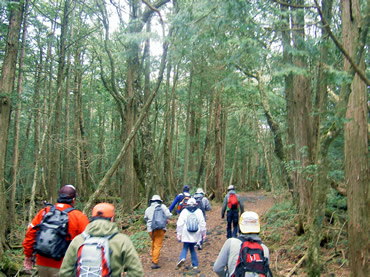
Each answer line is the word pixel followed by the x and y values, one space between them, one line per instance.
pixel 179 198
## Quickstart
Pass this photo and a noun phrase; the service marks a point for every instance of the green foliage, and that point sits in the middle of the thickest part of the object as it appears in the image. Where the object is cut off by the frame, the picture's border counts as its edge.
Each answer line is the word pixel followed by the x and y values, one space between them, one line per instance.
pixel 336 202
pixel 141 240
pixel 11 262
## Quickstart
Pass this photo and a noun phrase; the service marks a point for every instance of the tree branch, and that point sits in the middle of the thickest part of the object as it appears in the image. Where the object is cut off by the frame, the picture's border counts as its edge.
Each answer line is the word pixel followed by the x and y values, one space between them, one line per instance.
pixel 341 48
pixel 292 5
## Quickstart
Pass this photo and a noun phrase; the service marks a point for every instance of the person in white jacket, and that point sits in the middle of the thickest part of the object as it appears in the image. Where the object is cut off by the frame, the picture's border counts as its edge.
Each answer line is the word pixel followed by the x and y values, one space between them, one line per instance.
pixel 157 235
pixel 188 233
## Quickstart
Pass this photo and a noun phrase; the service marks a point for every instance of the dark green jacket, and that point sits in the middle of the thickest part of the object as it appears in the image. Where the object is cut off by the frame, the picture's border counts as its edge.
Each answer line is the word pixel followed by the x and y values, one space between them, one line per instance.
pixel 123 258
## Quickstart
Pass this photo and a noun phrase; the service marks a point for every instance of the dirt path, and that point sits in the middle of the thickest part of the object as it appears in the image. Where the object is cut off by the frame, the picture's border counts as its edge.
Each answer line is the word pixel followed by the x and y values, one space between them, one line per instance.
pixel 256 201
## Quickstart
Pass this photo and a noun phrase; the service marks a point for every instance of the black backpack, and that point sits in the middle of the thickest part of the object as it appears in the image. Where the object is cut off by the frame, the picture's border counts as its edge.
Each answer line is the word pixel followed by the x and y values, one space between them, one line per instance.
pixel 52 237
pixel 251 259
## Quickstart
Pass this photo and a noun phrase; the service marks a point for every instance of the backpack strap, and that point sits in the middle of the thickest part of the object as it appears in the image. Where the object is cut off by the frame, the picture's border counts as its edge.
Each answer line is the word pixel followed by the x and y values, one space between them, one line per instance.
pixel 68 210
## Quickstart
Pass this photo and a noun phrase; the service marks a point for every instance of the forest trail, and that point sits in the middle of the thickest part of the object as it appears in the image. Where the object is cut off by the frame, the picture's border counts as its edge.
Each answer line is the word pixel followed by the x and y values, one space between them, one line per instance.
pixel 256 201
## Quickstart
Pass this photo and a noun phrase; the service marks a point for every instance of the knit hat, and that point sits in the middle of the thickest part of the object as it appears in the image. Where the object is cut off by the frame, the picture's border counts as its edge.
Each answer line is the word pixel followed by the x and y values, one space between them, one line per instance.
pixel 186 188
pixel 249 223
pixel 66 194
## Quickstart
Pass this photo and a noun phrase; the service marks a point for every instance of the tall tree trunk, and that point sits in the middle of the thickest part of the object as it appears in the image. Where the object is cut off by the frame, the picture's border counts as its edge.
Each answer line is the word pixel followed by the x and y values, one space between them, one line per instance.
pixel 6 90
pixel 56 128
pixel 302 120
pixel 356 146
pixel 206 144
pixel 219 186
pixel 321 143
pixel 66 167
pixel 14 169
pixel 187 129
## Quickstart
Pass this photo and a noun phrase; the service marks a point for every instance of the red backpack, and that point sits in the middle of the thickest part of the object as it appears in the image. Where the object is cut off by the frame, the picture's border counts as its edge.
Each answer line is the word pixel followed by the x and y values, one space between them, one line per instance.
pixel 251 259
pixel 233 202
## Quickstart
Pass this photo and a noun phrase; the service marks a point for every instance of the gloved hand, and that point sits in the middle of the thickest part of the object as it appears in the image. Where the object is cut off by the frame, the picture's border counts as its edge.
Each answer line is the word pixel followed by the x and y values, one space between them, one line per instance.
pixel 179 237
pixel 28 263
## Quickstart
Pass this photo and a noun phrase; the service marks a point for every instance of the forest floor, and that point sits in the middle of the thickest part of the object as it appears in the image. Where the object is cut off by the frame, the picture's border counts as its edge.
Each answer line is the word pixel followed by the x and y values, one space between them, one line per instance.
pixel 258 202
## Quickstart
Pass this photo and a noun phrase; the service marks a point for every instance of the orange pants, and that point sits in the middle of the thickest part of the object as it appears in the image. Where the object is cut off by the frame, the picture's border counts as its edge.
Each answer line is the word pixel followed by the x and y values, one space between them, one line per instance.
pixel 157 242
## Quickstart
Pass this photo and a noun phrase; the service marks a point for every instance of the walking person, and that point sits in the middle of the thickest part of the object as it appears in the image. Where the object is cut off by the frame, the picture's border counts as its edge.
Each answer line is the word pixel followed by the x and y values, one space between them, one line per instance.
pixel 49 256
pixel 237 253
pixel 156 217
pixel 205 206
pixel 181 200
pixel 101 235
pixel 232 206
pixel 191 227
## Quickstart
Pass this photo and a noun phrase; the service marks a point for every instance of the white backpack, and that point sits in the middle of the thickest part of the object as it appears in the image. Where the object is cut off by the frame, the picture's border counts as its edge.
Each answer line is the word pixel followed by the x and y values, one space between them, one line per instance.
pixel 93 256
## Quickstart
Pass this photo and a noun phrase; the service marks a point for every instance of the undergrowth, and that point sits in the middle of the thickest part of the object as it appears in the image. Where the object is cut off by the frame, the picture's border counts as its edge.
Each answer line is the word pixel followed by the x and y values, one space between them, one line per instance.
pixel 278 232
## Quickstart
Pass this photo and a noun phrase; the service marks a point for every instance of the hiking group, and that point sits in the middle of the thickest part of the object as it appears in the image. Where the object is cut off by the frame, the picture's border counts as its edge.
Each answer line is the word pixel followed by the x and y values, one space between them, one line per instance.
pixel 64 242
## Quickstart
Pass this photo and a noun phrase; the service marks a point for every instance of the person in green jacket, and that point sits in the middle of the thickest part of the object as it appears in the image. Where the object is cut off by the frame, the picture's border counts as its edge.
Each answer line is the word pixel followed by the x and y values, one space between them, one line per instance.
pixel 123 258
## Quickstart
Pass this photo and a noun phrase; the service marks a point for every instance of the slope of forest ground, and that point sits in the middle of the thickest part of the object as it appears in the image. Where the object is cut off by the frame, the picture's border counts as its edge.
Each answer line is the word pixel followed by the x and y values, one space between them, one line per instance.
pixel 278 233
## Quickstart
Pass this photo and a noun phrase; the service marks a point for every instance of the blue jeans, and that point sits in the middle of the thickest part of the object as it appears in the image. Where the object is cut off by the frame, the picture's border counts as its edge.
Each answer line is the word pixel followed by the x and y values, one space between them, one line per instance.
pixel 232 218
pixel 193 253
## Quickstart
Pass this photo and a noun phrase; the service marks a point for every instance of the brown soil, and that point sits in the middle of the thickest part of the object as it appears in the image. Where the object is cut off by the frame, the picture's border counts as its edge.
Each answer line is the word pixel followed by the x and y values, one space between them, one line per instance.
pixel 258 202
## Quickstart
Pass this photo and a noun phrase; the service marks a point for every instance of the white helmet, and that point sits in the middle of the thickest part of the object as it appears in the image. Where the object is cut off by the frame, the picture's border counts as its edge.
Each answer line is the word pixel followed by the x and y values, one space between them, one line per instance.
pixel 156 198
pixel 249 223
pixel 230 187
pixel 199 190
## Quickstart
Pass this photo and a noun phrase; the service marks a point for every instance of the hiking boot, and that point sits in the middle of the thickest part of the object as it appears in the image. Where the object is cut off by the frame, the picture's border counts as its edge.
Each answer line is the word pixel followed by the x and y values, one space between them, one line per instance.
pixel 180 263
pixel 155 266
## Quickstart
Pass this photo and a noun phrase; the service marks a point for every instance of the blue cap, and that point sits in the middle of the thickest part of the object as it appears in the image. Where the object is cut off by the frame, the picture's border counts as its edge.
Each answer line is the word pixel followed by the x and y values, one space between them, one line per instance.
pixel 186 188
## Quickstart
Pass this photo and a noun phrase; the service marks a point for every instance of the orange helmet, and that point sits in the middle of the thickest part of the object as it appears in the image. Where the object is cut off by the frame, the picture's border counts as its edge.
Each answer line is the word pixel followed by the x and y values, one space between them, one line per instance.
pixel 104 210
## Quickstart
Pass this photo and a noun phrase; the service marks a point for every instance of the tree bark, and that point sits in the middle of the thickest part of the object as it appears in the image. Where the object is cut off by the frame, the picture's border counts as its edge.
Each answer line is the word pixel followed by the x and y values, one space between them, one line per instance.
pixel 15 162
pixel 56 127
pixel 356 146
pixel 187 129
pixel 6 90
pixel 219 186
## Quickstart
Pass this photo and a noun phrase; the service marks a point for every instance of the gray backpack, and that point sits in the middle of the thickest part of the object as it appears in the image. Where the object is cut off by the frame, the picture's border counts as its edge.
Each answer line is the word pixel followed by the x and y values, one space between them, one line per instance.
pixel 192 223
pixel 159 220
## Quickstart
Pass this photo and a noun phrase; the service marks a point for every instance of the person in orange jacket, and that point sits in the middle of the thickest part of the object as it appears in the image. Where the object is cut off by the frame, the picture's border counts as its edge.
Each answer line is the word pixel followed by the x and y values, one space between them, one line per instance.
pixel 77 221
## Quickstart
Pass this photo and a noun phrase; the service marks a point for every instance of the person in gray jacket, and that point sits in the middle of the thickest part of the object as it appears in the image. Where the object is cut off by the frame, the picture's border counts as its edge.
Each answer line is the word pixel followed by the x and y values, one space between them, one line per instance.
pixel 157 235
pixel 227 258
